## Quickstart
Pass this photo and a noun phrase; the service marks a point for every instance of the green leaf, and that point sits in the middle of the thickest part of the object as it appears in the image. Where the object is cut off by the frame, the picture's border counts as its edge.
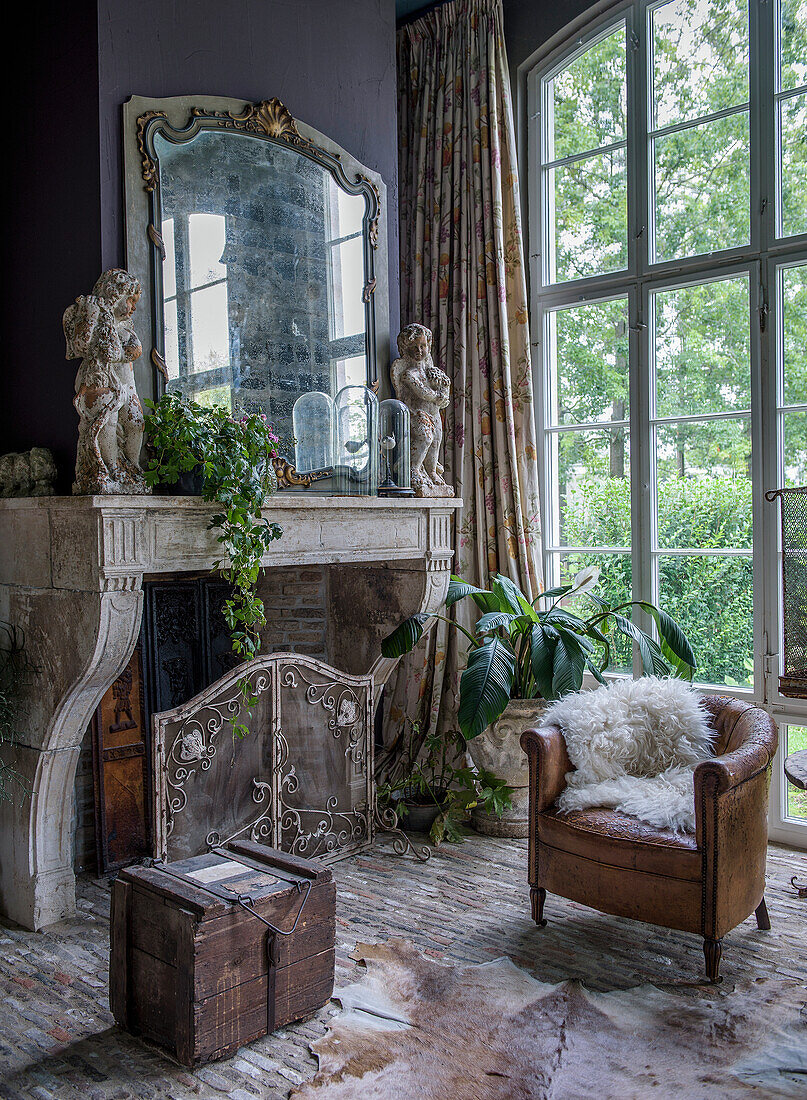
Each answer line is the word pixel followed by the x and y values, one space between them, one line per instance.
pixel 492 620
pixel 653 662
pixel 542 657
pixel 674 642
pixel 460 589
pixel 509 597
pixel 568 666
pixel 485 686
pixel 405 636
pixel 552 593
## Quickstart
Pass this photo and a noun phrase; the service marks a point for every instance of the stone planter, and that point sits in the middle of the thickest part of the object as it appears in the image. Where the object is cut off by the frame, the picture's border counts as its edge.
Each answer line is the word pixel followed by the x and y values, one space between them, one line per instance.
pixel 499 750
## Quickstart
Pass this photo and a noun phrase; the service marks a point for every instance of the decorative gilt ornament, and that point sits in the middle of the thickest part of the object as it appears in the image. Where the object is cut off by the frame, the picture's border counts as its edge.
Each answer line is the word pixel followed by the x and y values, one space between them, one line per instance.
pixel 268 117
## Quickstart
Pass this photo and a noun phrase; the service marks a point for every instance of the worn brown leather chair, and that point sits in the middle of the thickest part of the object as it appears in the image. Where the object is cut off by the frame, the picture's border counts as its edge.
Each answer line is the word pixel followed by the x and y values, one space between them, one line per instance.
pixel 707 883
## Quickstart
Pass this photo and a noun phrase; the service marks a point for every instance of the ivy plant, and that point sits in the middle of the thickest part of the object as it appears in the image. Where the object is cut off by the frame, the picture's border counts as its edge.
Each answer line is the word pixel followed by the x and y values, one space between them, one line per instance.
pixel 234 458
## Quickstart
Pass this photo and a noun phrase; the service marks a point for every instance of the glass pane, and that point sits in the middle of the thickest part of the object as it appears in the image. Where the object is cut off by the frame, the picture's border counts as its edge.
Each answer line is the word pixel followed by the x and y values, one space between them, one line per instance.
pixel 171 338
pixel 587 101
pixel 712 599
pixel 347 280
pixel 793 123
pixel 588 226
pixel 169 263
pixel 702 348
pixel 702 188
pixel 206 241
pixel 700 58
pixel 796 741
pixel 210 328
pixel 347 211
pixel 794 292
pixel 614 586
pixel 793 45
pixel 593 488
pixel 794 448
pixel 589 363
pixel 704 485
pixel 350 372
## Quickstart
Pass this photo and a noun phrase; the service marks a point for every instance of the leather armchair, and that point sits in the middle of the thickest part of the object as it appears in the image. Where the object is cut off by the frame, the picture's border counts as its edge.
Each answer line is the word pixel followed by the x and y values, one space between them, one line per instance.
pixel 705 883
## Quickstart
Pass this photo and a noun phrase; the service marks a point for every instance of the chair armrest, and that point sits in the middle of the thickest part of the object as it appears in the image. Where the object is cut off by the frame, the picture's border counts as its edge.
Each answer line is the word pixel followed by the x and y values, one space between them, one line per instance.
pixel 549 765
pixel 754 754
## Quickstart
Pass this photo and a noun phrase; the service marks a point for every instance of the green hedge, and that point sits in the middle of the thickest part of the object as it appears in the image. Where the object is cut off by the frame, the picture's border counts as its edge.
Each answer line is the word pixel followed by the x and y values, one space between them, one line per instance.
pixel 710 596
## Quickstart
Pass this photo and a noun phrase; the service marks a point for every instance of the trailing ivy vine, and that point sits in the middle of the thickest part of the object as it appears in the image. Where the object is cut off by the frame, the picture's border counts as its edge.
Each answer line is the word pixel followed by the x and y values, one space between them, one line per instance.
pixel 234 459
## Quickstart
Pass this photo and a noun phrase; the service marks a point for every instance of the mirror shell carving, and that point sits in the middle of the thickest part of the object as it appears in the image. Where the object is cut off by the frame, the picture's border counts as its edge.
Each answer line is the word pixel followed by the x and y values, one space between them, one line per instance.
pixel 179 120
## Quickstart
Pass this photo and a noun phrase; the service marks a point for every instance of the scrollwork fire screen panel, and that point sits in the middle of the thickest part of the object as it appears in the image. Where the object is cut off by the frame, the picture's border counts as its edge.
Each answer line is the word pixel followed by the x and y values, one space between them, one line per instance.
pixel 301 781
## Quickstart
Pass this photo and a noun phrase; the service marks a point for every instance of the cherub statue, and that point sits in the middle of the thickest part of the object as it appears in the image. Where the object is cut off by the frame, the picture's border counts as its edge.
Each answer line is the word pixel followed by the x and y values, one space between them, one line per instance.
pixel 425 389
pixel 98 328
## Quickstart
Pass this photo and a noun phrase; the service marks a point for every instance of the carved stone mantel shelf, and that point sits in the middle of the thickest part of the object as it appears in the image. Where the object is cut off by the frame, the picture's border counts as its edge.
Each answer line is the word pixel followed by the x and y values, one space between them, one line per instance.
pixel 71 573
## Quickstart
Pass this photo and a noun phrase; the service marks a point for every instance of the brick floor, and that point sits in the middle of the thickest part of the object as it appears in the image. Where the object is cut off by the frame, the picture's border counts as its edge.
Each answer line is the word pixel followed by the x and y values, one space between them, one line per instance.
pixel 470 903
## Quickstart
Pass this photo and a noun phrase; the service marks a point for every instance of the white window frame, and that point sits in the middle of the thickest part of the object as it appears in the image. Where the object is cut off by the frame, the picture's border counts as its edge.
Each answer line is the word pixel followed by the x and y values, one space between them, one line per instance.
pixel 761 258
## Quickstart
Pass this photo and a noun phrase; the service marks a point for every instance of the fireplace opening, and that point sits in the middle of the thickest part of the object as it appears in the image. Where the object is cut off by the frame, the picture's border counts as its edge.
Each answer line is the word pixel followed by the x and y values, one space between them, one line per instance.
pixel 182 649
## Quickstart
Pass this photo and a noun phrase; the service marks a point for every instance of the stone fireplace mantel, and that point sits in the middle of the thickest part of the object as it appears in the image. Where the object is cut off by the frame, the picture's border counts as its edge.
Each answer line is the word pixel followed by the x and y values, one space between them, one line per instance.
pixel 71 573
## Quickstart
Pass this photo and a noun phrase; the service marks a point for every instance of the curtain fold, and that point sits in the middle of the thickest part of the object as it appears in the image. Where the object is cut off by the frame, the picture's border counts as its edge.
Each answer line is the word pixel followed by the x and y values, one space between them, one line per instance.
pixel 462 275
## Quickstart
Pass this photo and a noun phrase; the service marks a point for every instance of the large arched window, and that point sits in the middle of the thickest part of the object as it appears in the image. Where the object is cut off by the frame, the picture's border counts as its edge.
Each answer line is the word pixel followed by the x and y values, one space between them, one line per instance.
pixel 668 239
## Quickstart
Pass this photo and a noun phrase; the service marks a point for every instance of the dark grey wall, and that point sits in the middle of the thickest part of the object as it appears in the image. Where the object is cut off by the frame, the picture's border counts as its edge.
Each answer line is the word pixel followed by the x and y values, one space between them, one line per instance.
pixel 332 62
pixel 530 23
pixel 51 225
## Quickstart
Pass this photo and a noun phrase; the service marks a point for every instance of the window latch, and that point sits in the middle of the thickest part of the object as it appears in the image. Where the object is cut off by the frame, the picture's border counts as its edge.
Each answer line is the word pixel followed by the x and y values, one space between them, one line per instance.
pixel 763 312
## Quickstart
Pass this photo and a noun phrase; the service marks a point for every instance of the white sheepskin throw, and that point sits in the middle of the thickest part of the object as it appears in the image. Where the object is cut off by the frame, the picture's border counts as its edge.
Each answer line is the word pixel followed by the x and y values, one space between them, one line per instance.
pixel 635 745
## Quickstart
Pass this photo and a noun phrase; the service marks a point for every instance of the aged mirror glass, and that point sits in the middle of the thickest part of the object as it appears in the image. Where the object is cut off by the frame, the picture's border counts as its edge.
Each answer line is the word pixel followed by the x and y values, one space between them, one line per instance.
pixel 263 266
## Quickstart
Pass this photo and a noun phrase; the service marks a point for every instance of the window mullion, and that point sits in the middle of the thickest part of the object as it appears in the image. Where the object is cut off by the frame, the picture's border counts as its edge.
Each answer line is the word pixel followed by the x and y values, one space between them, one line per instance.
pixel 763 171
pixel 638 106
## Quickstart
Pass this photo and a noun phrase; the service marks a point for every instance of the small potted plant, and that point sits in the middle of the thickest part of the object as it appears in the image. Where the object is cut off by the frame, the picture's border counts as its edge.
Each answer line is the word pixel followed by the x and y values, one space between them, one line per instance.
pixel 524 653
pixel 434 790
pixel 234 461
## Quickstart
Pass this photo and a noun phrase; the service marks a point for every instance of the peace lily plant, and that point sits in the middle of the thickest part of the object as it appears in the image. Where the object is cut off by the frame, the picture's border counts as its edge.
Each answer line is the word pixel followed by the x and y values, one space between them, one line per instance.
pixel 522 649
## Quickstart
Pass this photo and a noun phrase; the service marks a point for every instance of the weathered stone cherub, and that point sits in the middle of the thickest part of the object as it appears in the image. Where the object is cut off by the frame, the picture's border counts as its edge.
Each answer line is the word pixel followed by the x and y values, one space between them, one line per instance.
pixel 99 329
pixel 425 389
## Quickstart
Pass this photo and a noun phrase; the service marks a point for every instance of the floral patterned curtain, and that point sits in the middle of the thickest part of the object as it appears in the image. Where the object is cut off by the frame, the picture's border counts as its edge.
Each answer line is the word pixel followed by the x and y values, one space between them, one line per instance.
pixel 462 275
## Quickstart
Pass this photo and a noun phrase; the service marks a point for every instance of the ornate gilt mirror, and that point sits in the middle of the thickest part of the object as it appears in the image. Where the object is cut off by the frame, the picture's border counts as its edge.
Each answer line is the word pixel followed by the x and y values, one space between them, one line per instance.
pixel 259 245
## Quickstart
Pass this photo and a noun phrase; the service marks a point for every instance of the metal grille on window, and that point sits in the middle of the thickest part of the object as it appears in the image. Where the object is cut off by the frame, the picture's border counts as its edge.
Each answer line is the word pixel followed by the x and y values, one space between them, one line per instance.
pixel 793 678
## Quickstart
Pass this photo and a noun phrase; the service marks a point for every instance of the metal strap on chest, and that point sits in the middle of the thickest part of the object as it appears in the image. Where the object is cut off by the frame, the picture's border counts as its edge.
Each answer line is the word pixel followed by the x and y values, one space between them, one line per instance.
pixel 247 903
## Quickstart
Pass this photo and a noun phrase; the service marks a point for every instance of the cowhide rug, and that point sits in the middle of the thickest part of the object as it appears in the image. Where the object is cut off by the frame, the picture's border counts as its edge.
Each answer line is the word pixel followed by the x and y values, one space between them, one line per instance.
pixel 414 1029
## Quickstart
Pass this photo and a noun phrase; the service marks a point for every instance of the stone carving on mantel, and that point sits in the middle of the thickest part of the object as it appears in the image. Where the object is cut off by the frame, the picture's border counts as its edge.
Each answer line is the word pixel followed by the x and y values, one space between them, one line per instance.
pixel 98 329
pixel 425 390
pixel 30 474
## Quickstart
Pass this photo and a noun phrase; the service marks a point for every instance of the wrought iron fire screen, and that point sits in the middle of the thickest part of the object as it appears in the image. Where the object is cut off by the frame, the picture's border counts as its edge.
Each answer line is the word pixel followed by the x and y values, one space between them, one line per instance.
pixel 301 781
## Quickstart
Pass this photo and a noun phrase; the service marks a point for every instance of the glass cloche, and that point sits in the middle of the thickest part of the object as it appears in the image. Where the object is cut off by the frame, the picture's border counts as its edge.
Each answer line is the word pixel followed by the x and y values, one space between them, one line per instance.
pixel 355 450
pixel 313 425
pixel 393 436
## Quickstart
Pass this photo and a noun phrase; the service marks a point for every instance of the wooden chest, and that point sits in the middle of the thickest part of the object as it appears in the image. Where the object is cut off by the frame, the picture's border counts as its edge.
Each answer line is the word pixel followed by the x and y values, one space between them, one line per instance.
pixel 200 975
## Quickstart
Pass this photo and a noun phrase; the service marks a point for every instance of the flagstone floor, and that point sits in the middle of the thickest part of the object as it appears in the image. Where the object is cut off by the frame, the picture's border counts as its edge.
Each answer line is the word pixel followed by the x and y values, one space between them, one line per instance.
pixel 469 903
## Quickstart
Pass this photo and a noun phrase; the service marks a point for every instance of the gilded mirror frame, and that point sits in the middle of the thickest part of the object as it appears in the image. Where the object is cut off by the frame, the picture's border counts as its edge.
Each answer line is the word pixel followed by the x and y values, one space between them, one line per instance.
pixel 179 120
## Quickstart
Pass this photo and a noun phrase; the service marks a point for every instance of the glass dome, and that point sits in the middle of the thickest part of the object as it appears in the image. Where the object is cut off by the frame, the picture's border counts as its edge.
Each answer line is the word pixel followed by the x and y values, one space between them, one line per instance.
pixel 355 449
pixel 313 425
pixel 393 433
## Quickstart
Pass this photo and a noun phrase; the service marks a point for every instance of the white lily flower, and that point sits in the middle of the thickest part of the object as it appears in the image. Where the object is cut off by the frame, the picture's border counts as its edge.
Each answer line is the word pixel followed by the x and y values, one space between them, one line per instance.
pixel 585 580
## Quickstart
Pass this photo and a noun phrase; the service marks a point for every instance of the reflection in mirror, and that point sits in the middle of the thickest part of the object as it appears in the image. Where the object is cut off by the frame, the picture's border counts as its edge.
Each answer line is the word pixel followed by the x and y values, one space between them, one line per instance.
pixel 263 277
